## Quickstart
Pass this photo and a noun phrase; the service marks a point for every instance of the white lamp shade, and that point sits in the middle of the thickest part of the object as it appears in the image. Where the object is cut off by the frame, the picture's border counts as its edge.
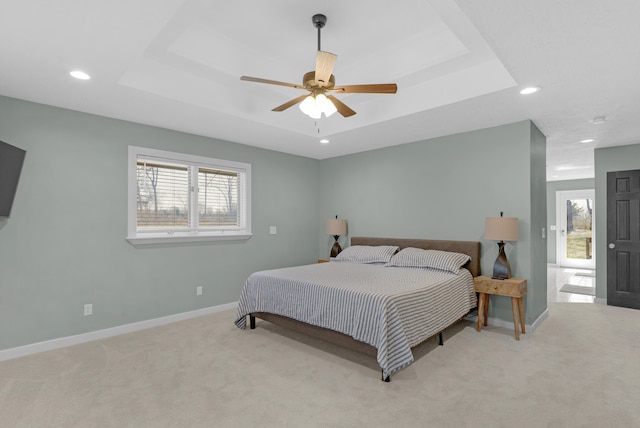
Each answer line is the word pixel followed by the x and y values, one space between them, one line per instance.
pixel 307 106
pixel 325 105
pixel 336 226
pixel 501 228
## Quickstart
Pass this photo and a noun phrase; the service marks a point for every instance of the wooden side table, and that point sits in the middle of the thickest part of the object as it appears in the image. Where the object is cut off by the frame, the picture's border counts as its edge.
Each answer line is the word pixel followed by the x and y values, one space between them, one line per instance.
pixel 512 287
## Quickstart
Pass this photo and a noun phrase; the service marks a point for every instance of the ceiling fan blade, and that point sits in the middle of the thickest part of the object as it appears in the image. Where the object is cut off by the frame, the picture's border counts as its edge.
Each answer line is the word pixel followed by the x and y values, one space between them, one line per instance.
pixel 382 88
pixel 271 82
pixel 325 61
pixel 343 109
pixel 290 103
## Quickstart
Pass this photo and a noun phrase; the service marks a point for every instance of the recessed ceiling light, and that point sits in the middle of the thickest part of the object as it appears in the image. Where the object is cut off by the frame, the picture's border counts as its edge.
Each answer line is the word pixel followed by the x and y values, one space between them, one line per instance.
pixel 530 90
pixel 599 120
pixel 80 75
pixel 588 140
pixel 324 141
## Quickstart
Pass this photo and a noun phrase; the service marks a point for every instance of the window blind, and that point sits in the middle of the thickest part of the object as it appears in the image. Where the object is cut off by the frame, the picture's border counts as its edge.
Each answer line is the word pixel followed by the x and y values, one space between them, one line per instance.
pixel 163 195
pixel 217 198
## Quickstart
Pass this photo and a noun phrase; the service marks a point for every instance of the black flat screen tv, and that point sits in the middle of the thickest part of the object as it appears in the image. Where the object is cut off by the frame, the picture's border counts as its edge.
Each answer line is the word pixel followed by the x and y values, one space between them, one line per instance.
pixel 11 160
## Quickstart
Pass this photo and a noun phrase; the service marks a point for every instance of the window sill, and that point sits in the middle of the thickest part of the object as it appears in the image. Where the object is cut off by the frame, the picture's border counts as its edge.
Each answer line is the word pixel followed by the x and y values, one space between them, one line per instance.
pixel 178 239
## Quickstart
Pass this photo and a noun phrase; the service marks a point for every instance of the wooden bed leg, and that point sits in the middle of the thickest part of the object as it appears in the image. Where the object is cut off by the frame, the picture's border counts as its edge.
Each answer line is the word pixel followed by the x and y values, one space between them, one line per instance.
pixel 252 322
pixel 385 379
pixel 440 342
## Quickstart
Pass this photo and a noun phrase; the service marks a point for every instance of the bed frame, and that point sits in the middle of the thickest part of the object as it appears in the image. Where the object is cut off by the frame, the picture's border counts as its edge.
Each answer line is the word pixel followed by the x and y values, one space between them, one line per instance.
pixel 471 248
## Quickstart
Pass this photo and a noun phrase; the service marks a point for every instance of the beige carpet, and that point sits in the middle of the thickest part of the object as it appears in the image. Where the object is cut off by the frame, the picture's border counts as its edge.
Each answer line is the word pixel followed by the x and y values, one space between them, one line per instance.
pixel 579 369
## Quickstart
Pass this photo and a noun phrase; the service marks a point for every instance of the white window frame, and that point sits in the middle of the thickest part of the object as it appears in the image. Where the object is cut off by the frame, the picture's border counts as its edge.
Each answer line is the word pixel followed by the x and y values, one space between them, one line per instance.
pixel 194 234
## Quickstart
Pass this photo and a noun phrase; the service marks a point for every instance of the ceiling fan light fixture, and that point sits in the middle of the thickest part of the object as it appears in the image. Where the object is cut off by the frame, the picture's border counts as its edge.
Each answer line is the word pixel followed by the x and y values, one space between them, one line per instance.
pixel 310 107
pixel 315 106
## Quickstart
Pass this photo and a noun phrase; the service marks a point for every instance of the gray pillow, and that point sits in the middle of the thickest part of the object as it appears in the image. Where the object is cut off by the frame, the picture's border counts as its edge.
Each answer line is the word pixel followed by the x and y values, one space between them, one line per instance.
pixel 367 254
pixel 434 259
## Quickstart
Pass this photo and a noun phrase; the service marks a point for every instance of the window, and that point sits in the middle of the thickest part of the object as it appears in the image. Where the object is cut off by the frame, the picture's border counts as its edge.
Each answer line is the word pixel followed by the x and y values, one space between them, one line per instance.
pixel 175 197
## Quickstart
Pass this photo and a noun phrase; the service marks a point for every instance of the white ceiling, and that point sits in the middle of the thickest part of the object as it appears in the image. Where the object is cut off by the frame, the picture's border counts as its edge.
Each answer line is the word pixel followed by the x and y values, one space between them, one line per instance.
pixel 459 66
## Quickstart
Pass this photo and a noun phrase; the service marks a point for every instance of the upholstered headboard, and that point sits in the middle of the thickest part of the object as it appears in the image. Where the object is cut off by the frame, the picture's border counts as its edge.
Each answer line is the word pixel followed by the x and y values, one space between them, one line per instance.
pixel 471 248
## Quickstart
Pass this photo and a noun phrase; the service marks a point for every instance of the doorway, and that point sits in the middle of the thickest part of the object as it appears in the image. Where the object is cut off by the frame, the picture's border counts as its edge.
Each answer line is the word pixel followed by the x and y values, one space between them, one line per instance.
pixel 575 232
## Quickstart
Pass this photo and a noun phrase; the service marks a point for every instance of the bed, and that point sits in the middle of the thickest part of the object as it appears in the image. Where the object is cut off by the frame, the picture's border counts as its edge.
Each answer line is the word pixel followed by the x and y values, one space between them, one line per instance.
pixel 380 310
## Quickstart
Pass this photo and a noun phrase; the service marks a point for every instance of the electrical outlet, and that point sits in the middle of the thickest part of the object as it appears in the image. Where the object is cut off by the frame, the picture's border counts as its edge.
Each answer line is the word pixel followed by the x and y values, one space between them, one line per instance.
pixel 273 230
pixel 88 309
pixel 199 290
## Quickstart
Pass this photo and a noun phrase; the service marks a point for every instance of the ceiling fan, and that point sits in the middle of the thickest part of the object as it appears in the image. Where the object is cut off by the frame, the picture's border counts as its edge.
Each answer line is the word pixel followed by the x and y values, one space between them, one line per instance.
pixel 320 82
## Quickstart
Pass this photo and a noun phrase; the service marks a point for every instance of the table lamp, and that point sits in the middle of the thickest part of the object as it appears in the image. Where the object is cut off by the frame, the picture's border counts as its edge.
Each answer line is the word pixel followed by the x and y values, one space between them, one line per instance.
pixel 336 227
pixel 501 229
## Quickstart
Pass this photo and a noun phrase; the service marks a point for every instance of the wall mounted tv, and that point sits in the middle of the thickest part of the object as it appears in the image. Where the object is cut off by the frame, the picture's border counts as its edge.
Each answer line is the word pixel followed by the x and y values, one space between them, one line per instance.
pixel 11 160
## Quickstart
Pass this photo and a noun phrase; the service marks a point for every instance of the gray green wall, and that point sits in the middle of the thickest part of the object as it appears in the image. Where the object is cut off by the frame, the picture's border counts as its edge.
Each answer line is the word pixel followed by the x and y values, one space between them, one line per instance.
pixel 65 246
pixel 537 278
pixel 622 158
pixel 444 188
pixel 552 188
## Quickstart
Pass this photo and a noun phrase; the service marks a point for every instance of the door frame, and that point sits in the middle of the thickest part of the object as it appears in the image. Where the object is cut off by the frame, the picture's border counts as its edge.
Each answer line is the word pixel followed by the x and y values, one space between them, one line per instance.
pixel 561 226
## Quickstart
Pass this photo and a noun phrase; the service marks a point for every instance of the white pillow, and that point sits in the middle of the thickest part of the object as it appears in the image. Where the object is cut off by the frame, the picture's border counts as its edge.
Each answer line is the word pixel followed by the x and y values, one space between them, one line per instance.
pixel 435 259
pixel 367 254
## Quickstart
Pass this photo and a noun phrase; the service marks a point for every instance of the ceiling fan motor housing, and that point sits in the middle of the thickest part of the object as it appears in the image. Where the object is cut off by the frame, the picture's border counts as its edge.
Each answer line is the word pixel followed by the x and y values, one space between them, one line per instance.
pixel 309 81
pixel 319 20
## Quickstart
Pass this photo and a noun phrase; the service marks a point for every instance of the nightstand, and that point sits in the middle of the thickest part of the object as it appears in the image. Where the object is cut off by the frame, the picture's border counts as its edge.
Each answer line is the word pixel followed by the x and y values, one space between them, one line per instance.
pixel 512 287
pixel 323 260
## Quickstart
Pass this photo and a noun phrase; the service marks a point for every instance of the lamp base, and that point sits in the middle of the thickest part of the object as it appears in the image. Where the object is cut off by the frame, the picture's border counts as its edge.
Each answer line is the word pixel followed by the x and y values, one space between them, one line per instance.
pixel 501 269
pixel 335 250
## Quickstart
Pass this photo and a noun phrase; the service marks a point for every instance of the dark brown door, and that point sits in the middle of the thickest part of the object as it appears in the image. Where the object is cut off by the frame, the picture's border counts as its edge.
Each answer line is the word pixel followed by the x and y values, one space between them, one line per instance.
pixel 623 239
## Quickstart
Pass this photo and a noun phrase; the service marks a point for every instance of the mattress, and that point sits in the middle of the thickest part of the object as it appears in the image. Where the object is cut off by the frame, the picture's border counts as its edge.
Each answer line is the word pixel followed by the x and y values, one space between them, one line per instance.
pixel 390 308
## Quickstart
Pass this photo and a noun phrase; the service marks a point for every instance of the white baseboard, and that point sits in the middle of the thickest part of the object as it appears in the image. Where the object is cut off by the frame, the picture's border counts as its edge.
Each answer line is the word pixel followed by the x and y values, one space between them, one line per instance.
pixel 63 342
pixel 530 328
pixel 543 316
pixel 601 300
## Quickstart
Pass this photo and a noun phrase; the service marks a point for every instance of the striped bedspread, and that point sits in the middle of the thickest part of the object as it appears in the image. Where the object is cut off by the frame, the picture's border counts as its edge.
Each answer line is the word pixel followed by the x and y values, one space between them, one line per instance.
pixel 390 308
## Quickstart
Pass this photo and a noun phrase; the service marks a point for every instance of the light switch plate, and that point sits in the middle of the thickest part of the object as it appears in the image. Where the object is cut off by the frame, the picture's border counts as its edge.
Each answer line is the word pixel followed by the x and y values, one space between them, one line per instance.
pixel 273 230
